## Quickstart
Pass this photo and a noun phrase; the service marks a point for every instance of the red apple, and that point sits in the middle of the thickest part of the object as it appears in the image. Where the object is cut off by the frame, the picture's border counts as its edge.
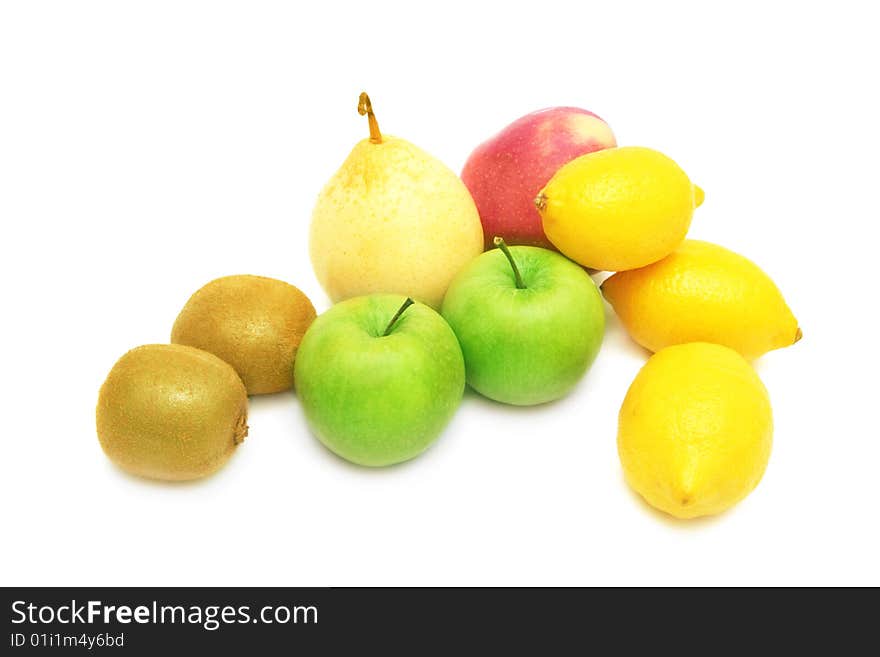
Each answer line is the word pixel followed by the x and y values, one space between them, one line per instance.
pixel 505 173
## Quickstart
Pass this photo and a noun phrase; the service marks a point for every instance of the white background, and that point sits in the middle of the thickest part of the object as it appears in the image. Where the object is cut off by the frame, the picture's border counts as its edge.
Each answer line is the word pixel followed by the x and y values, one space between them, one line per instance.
pixel 149 147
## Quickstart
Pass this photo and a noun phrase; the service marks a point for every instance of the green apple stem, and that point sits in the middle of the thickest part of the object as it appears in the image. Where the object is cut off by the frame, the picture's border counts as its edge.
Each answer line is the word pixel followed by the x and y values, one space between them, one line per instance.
pixel 366 107
pixel 499 242
pixel 406 304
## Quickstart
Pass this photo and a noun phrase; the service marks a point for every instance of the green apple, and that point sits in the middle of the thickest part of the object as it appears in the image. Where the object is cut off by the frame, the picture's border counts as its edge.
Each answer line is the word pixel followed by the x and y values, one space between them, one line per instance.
pixel 529 321
pixel 379 377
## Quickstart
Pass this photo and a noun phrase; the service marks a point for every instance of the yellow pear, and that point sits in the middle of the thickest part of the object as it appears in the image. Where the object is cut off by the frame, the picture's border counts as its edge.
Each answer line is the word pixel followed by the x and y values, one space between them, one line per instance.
pixel 392 219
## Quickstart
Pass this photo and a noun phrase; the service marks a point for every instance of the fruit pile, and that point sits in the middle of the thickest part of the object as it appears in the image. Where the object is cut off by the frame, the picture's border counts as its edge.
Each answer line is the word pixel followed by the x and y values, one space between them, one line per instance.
pixel 397 241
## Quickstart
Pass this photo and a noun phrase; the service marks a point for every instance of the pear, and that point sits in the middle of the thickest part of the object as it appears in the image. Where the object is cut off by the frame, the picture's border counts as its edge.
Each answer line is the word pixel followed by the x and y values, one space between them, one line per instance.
pixel 393 219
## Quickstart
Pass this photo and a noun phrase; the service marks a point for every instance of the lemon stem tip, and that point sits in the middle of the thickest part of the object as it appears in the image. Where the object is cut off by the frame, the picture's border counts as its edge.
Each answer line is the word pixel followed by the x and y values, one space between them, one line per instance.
pixel 541 202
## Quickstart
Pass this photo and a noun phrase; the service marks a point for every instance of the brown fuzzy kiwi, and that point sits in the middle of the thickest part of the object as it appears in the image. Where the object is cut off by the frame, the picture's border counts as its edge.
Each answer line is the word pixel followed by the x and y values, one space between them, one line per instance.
pixel 171 412
pixel 253 323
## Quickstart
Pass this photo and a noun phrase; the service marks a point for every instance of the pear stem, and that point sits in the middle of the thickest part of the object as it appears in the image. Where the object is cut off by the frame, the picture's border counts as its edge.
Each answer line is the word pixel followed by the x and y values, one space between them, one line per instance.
pixel 366 107
pixel 499 242
pixel 406 304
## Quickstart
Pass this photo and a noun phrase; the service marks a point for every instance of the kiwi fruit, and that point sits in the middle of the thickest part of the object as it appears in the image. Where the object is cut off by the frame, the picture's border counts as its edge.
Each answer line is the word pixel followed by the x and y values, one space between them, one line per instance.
pixel 171 412
pixel 254 323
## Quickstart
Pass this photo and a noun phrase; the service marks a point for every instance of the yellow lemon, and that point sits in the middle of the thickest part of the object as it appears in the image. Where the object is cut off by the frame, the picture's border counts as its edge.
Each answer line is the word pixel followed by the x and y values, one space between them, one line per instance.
pixel 703 292
pixel 695 430
pixel 618 208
